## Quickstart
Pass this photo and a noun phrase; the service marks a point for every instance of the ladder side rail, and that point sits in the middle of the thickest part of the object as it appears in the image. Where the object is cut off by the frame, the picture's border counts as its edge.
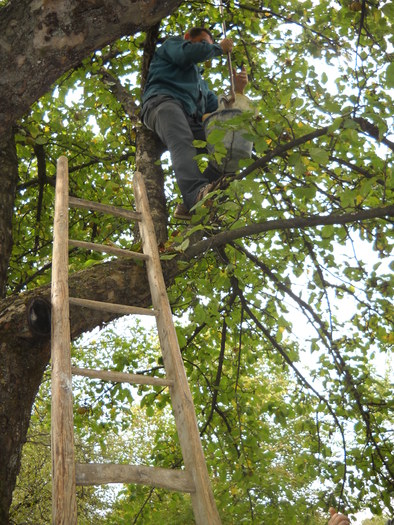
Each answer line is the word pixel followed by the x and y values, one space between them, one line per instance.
pixel 64 507
pixel 204 507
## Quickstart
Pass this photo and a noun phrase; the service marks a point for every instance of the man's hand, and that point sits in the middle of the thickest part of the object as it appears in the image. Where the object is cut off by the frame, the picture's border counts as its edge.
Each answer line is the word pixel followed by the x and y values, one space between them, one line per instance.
pixel 338 519
pixel 240 80
pixel 227 45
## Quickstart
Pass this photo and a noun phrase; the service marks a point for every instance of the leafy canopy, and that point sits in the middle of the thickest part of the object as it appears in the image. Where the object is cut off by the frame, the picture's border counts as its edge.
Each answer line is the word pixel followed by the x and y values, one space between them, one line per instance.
pixel 286 333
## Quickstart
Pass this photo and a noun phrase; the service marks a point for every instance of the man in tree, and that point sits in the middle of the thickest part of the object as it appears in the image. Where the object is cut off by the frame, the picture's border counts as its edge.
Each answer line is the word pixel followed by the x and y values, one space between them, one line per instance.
pixel 174 101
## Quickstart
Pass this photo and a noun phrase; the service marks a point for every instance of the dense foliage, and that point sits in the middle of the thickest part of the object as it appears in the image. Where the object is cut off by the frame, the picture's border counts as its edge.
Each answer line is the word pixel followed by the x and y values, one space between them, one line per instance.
pixel 285 331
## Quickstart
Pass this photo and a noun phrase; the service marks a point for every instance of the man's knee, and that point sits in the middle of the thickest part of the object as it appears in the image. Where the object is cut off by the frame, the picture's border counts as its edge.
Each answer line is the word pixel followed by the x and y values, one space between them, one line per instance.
pixel 155 108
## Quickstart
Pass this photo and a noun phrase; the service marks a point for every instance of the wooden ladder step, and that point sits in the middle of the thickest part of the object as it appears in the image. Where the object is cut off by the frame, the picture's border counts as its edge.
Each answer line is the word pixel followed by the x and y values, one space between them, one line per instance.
pixel 107 249
pixel 103 473
pixel 74 202
pixel 111 307
pixel 121 377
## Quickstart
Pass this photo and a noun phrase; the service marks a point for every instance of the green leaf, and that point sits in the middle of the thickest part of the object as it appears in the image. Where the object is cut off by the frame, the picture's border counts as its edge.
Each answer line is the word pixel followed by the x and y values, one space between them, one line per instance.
pixel 199 143
pixel 41 139
pixel 150 411
pixel 319 155
pixel 390 75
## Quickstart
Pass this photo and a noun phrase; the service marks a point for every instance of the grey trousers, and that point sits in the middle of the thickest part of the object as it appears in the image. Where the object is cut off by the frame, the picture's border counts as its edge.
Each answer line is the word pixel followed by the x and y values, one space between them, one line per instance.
pixel 166 117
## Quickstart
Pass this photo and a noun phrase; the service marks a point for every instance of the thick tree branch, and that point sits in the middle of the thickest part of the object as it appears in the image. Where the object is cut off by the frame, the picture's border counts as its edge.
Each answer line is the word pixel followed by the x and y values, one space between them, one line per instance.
pixel 41 40
pixel 365 127
pixel 373 131
pixel 286 224
pixel 282 149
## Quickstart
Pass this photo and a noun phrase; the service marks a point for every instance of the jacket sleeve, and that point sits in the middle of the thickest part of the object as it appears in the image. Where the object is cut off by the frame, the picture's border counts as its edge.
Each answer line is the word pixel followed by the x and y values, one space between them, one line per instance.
pixel 184 53
pixel 212 102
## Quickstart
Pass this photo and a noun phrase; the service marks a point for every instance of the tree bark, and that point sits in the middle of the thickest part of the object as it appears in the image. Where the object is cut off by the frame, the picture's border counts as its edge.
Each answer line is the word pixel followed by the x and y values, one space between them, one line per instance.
pixel 312 221
pixel 9 178
pixel 40 40
pixel 149 148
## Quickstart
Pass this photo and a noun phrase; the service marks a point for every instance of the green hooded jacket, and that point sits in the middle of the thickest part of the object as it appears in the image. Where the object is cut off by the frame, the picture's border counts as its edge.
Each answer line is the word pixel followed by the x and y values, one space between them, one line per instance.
pixel 174 71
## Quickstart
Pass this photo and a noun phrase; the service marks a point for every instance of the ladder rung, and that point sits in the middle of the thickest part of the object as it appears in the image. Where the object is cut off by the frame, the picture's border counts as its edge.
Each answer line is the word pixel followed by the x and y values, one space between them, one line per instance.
pixel 122 377
pixel 107 249
pixel 111 307
pixel 103 473
pixel 74 202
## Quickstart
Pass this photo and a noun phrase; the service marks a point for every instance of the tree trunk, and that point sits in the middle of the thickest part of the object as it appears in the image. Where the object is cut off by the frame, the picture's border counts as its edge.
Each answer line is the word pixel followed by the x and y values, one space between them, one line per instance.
pixel 25 349
pixel 149 148
pixel 40 41
pixel 9 178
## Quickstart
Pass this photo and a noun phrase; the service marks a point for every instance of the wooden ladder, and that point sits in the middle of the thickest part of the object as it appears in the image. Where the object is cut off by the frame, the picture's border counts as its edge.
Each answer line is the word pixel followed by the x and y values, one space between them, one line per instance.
pixel 66 474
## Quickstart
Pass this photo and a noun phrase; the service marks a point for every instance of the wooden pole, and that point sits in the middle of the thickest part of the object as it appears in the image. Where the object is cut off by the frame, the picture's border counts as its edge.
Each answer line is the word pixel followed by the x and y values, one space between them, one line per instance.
pixel 64 508
pixel 229 63
pixel 204 507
